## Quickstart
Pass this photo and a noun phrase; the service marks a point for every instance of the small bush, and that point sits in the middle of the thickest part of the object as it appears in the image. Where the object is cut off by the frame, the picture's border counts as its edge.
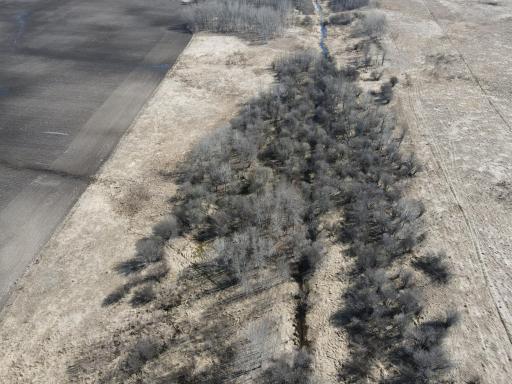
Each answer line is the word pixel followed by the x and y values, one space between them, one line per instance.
pixel 167 228
pixel 375 75
pixel 148 250
pixel 373 24
pixel 130 266
pixel 347 5
pixel 341 19
pixel 434 266
pixel 115 296
pixel 132 202
pixel 307 21
pixel 143 351
pixel 143 295
pixel 284 371
pixel 305 6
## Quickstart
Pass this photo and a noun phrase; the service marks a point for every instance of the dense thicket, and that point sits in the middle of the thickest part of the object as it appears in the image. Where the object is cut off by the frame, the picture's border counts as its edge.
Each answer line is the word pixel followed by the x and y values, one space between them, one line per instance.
pixel 347 5
pixel 305 6
pixel 254 196
pixel 252 18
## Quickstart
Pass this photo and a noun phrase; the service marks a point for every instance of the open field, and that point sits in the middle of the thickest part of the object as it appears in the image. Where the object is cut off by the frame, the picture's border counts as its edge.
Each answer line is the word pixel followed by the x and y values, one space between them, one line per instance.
pixel 454 60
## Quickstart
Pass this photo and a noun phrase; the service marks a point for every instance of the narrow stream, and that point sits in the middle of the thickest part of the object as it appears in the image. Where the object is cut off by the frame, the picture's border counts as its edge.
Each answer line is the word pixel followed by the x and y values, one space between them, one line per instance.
pixel 300 275
pixel 323 28
pixel 302 270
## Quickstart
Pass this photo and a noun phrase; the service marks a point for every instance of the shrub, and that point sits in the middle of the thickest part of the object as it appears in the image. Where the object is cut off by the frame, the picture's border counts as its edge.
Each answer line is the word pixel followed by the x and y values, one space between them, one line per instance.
pixel 373 24
pixel 419 356
pixel 115 296
pixel 284 371
pixel 130 266
pixel 434 266
pixel 143 351
pixel 305 6
pixel 167 228
pixel 347 5
pixel 375 75
pixel 133 200
pixel 307 21
pixel 148 250
pixel 143 295
pixel 341 19
pixel 259 178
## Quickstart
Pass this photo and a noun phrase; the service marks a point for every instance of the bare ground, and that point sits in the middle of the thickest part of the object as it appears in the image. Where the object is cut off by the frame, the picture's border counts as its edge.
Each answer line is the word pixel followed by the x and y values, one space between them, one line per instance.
pixel 454 59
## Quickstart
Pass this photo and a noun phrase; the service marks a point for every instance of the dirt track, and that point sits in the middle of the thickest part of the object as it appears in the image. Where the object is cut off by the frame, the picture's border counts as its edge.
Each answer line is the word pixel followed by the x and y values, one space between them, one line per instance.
pixel 454 59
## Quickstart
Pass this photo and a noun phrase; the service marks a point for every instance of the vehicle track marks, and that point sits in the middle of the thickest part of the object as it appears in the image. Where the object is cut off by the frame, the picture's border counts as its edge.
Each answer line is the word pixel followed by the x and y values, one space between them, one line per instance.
pixel 468 67
pixel 438 158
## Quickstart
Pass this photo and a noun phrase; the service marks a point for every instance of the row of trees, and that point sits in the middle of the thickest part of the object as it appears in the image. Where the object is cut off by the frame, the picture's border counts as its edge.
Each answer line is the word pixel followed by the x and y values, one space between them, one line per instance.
pixel 347 5
pixel 261 19
pixel 382 307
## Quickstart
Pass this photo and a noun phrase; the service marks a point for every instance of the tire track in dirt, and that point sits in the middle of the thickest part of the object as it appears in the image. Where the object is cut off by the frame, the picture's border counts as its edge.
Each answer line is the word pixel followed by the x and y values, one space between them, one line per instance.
pixel 437 155
pixel 468 67
pixel 439 160
pixel 414 98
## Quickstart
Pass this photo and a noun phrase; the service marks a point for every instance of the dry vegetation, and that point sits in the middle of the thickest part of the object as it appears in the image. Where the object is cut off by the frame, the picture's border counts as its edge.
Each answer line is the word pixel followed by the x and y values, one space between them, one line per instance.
pixel 347 5
pixel 260 19
pixel 311 165
pixel 254 198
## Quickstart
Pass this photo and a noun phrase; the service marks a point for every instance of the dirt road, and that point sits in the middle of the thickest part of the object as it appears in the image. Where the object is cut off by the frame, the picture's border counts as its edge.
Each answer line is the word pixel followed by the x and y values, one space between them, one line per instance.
pixel 455 60
pixel 73 76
